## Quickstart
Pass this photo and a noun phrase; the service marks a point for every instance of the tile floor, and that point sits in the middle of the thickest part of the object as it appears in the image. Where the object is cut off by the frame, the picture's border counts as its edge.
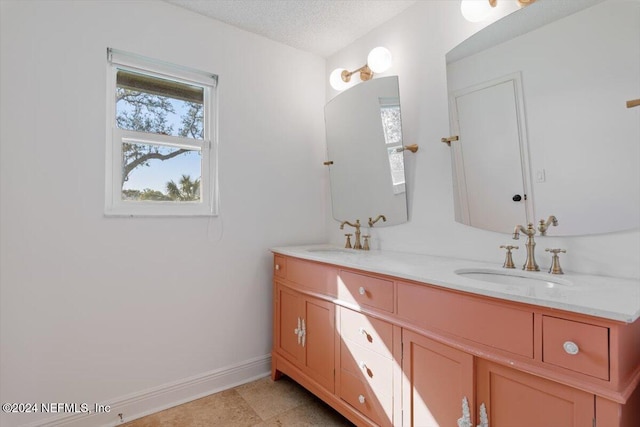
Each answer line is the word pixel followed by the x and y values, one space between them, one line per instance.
pixel 262 403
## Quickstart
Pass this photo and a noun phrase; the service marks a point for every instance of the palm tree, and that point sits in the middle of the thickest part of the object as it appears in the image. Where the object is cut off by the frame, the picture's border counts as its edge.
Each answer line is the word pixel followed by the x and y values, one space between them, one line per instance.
pixel 187 190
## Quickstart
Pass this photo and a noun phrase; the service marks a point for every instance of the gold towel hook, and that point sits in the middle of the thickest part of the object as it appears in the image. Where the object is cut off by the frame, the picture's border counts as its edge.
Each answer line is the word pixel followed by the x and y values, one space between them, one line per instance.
pixel 413 148
pixel 633 103
pixel 448 140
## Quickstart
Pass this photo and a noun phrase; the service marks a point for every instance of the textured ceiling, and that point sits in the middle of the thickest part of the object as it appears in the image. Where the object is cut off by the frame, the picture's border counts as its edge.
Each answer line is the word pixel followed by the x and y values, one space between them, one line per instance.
pixel 318 26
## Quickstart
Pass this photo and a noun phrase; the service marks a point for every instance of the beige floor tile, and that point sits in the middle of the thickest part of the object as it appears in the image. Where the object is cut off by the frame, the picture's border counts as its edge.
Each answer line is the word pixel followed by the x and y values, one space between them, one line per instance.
pixel 268 398
pixel 262 403
pixel 226 408
pixel 310 415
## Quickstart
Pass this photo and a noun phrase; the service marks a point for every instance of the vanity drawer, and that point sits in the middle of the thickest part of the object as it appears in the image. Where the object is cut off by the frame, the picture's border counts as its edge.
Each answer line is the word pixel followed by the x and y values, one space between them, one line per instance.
pixel 370 367
pixel 377 407
pixel 370 333
pixel 366 290
pixel 589 356
pixel 313 276
pixel 485 322
pixel 280 266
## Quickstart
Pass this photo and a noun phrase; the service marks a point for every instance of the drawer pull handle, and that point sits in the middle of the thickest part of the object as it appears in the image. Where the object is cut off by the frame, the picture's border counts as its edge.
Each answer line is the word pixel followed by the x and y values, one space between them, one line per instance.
pixel 365 334
pixel 361 399
pixel 277 267
pixel 362 290
pixel 571 348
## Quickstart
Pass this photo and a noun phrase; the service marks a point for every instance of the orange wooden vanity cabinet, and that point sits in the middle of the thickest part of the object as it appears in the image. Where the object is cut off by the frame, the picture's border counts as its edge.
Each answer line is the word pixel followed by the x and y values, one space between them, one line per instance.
pixel 391 352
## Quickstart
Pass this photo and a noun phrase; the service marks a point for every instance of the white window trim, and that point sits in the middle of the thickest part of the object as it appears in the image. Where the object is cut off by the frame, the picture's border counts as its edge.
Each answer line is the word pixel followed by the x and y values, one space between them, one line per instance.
pixel 114 205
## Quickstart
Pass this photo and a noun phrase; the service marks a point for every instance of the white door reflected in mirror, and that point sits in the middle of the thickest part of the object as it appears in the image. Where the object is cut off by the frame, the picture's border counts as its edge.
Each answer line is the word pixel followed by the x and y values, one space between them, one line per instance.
pixel 491 148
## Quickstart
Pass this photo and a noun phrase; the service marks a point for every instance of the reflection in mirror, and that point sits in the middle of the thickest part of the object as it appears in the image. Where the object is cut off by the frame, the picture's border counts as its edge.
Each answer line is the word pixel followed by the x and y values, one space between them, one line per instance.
pixel 392 130
pixel 543 116
pixel 364 142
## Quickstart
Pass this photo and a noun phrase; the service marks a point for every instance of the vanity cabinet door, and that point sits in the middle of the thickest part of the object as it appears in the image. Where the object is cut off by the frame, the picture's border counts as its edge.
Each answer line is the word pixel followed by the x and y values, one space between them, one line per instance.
pixel 305 332
pixel 319 356
pixel 289 325
pixel 514 398
pixel 436 380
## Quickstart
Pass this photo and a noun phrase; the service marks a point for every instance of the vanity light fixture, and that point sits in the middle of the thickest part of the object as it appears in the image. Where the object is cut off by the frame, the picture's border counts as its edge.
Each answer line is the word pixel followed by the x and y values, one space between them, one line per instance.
pixel 379 60
pixel 479 10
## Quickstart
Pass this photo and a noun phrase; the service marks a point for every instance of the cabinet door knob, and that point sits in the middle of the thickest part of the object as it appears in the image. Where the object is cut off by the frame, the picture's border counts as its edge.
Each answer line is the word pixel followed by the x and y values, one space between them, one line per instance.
pixel 361 399
pixel 277 267
pixel 362 290
pixel 571 348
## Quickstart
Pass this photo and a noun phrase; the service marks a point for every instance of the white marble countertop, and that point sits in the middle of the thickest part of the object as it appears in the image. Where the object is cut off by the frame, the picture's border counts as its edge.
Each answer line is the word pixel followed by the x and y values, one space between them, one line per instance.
pixel 606 297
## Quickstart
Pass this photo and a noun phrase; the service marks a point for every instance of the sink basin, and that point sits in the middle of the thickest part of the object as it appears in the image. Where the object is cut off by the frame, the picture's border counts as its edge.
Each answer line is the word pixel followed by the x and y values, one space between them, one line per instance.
pixel 514 278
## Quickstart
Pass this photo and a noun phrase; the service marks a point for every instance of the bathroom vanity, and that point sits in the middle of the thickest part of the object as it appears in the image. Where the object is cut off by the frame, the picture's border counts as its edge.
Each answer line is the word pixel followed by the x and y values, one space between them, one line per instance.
pixel 412 340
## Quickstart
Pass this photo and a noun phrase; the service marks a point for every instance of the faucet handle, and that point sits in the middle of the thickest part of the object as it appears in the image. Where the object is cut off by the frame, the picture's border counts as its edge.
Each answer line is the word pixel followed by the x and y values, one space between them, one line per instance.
pixel 555 260
pixel 348 242
pixel 508 262
pixel 365 245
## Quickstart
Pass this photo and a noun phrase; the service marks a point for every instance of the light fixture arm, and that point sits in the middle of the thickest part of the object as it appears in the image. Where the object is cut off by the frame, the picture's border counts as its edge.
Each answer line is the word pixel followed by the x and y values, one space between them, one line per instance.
pixel 378 61
pixel 365 74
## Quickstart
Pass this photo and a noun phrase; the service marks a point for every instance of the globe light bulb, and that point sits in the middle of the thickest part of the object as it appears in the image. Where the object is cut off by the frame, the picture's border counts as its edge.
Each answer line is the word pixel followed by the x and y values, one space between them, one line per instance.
pixel 335 79
pixel 475 10
pixel 379 59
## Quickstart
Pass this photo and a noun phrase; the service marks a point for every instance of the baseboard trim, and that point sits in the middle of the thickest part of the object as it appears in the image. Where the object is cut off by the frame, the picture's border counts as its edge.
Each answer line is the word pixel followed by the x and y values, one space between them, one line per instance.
pixel 140 404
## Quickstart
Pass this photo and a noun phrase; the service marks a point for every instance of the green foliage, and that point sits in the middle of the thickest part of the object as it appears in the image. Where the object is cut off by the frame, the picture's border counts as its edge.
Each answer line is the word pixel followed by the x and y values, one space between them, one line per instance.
pixel 186 191
pixel 146 194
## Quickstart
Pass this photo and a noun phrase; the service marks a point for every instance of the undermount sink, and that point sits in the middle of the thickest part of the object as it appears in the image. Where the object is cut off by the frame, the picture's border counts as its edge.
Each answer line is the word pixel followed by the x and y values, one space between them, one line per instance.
pixel 518 278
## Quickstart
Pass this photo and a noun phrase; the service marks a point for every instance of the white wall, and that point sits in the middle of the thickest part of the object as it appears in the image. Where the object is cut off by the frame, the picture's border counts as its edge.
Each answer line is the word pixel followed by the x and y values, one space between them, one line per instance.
pixel 95 308
pixel 419 38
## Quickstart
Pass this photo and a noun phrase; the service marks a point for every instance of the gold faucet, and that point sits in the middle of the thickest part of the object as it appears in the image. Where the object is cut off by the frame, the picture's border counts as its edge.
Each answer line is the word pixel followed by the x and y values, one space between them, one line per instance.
pixel 357 244
pixel 378 218
pixel 543 225
pixel 530 265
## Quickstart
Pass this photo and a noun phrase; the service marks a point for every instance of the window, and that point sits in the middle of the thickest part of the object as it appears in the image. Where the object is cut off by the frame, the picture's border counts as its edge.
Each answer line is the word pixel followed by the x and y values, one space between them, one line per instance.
pixel 392 129
pixel 161 152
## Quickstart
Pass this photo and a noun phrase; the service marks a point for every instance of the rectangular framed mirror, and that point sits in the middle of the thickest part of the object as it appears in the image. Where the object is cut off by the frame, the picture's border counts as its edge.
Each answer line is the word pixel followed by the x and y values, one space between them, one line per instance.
pixel 365 151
